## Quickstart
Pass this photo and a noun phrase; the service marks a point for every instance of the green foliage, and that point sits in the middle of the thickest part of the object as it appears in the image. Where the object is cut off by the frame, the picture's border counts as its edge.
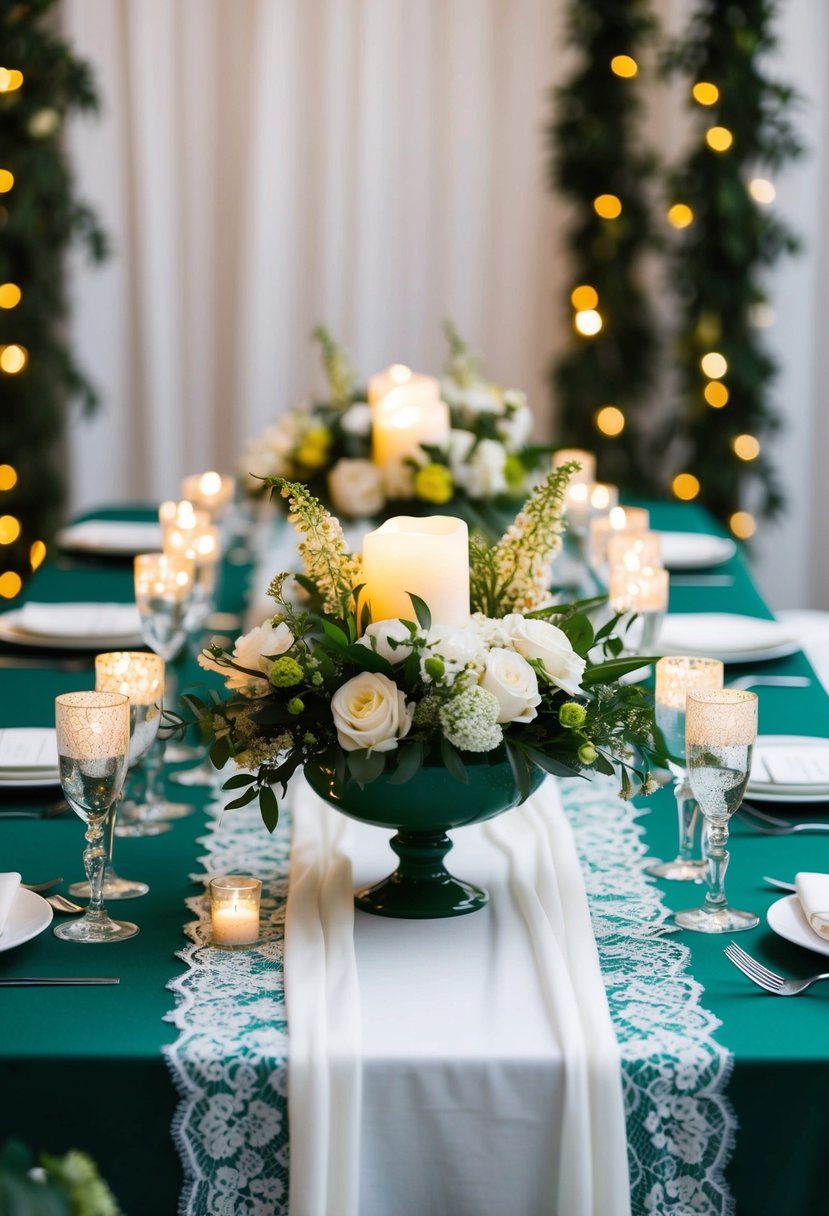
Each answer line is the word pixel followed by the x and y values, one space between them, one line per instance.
pixel 52 1186
pixel 40 218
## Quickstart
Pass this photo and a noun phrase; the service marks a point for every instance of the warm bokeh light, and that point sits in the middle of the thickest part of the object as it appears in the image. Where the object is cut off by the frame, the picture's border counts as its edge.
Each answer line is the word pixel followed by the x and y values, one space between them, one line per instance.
pixel 10 295
pixel 680 215
pixel 10 79
pixel 742 524
pixel 13 358
pixel 719 139
pixel 608 206
pixel 8 477
pixel 588 322
pixel 714 365
pixel 705 93
pixel 584 297
pixel 6 180
pixel 37 553
pixel 715 394
pixel 762 190
pixel 624 65
pixel 10 584
pixel 746 447
pixel 399 373
pixel 610 420
pixel 762 315
pixel 9 529
pixel 685 486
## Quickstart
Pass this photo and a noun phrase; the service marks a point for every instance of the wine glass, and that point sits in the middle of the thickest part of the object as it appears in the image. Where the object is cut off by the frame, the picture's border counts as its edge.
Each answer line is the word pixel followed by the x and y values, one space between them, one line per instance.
pixel 676 676
pixel 720 729
pixel 93 736
pixel 163 586
pixel 139 676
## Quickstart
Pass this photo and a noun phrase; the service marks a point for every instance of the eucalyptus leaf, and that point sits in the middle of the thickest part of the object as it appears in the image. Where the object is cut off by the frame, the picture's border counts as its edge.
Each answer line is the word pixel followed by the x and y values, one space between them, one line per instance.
pixel 452 760
pixel 243 799
pixel 410 759
pixel 269 807
pixel 239 781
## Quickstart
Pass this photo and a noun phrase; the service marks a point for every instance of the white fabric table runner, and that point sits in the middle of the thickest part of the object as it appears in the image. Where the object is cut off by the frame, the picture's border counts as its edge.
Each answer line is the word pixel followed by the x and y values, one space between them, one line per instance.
pixel 465 1066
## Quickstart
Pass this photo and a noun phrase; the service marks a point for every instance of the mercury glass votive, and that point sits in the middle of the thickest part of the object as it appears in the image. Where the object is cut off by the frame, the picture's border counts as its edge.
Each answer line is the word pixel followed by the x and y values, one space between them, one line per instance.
pixel 584 500
pixel 676 676
pixel 209 491
pixel 641 592
pixel 635 550
pixel 201 544
pixel 586 475
pixel 603 528
pixel 234 910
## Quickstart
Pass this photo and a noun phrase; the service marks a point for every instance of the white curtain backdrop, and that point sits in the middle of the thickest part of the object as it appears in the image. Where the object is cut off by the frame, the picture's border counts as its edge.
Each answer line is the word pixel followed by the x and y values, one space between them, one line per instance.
pixel 375 165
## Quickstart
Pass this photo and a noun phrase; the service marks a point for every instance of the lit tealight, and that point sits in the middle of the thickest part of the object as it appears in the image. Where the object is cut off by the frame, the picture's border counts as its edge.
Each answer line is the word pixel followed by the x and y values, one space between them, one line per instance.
pixel 635 550
pixel 583 476
pixel 208 491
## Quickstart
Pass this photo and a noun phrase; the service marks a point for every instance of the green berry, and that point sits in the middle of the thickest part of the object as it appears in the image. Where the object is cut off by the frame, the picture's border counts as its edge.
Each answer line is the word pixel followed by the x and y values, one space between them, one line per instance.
pixel 434 667
pixel 587 753
pixel 296 705
pixel 286 672
pixel 572 715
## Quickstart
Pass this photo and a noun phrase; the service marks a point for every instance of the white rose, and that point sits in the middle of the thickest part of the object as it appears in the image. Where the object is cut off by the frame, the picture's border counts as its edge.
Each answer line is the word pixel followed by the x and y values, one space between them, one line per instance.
pixel 551 647
pixel 480 399
pixel 380 635
pixel 456 647
pixel 255 651
pixel 357 419
pixel 513 682
pixel 356 487
pixel 515 428
pixel 460 445
pixel 486 476
pixel 370 711
pixel 398 479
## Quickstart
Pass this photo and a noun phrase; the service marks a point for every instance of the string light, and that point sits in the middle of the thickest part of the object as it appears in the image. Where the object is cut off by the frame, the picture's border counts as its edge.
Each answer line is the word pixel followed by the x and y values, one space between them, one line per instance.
pixel 10 79
pixel 716 394
pixel 10 584
pixel 608 206
pixel 680 215
pixel 714 365
pixel 37 553
pixel 742 524
pixel 762 190
pixel 685 486
pixel 10 295
pixel 610 420
pixel 6 180
pixel 746 447
pixel 9 529
pixel 8 477
pixel 719 139
pixel 13 359
pixel 624 65
pixel 584 297
pixel 588 322
pixel 705 93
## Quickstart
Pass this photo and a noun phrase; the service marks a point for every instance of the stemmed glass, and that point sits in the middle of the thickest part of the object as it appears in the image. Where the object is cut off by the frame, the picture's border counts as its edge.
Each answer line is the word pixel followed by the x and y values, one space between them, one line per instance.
pixel 676 676
pixel 720 729
pixel 139 676
pixel 163 586
pixel 93 735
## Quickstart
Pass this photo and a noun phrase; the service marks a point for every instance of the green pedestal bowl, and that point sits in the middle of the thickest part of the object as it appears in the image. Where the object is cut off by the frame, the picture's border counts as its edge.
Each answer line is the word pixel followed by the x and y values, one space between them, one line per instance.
pixel 423 810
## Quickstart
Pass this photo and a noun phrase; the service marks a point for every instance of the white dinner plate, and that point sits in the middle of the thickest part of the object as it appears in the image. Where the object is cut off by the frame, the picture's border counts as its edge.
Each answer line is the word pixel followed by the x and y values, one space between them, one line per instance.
pixel 786 918
pixel 778 791
pixel 29 915
pixel 116 537
pixel 11 632
pixel 37 781
pixel 695 550
pixel 727 636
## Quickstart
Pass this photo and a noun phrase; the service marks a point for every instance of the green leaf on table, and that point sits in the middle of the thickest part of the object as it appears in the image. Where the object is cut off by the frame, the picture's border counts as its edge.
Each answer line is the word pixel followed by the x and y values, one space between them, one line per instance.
pixel 243 799
pixel 410 758
pixel 452 760
pixel 269 807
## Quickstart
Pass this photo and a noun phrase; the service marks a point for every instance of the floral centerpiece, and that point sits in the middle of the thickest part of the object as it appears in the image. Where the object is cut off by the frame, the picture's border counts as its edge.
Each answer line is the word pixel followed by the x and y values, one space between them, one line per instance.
pixel 485 455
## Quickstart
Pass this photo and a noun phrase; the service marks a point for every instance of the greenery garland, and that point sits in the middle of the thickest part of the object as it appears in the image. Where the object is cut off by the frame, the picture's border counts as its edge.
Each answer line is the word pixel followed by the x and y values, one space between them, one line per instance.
pixel 41 82
pixel 600 164
pixel 729 239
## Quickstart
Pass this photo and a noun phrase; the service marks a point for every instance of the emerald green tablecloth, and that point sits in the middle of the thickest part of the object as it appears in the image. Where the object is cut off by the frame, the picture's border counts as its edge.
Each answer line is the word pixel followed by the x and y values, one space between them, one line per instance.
pixel 83 1067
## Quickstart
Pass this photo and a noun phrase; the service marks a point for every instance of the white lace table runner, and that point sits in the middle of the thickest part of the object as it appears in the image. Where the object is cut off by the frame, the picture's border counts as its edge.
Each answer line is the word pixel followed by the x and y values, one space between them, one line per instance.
pixel 229 1061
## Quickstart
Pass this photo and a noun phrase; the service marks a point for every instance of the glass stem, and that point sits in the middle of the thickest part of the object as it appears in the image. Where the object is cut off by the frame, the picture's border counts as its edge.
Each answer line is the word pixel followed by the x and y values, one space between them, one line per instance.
pixel 718 856
pixel 687 809
pixel 94 862
pixel 153 768
pixel 651 622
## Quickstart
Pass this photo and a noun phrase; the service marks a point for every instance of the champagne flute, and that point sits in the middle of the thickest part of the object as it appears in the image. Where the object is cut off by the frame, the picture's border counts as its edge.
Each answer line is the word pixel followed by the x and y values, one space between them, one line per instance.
pixel 139 676
pixel 676 676
pixel 93 736
pixel 720 729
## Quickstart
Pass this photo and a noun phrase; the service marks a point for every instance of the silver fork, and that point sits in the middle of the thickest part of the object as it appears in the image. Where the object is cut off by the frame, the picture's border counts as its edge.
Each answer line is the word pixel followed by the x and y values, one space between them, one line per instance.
pixel 753 681
pixel 770 825
pixel 769 980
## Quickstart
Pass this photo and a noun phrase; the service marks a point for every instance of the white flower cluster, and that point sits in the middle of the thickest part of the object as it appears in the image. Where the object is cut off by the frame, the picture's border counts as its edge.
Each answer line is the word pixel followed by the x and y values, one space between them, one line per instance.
pixel 508 408
pixel 255 651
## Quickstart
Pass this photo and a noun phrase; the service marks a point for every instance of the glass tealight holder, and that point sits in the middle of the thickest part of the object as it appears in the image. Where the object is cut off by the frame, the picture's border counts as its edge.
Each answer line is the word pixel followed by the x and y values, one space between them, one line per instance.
pixel 209 492
pixel 644 593
pixel 234 911
pixel 586 475
pixel 604 528
pixel 635 549
pixel 584 500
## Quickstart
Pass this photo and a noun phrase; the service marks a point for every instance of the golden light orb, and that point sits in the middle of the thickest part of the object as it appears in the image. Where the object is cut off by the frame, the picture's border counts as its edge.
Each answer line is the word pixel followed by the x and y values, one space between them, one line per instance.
pixel 719 139
pixel 705 93
pixel 6 180
pixel 10 80
pixel 680 215
pixel 608 206
pixel 13 359
pixel 9 529
pixel 714 365
pixel 610 420
pixel 10 295
pixel 746 447
pixel 742 524
pixel 624 65
pixel 584 297
pixel 762 190
pixel 8 477
pixel 685 486
pixel 10 584
pixel 37 553
pixel 588 322
pixel 716 394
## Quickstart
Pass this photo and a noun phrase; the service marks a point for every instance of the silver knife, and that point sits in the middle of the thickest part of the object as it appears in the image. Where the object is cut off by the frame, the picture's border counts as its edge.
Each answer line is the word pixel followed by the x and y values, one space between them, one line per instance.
pixel 778 882
pixel 56 981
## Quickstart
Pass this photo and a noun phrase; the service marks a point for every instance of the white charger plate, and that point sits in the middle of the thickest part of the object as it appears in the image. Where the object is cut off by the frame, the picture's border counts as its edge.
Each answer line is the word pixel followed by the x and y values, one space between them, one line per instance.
pixel 766 791
pixel 29 915
pixel 786 919
pixel 717 635
pixel 695 550
pixel 11 632
pixel 117 537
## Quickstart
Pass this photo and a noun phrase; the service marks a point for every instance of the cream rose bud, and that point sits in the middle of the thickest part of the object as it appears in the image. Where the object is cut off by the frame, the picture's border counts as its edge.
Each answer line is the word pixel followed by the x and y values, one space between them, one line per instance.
pixel 356 487
pixel 551 647
pixel 381 636
pixel 370 712
pixel 513 682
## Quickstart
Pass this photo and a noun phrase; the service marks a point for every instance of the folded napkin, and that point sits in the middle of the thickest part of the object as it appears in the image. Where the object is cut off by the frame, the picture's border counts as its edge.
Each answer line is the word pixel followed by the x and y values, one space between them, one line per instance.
pixel 805 764
pixel 27 751
pixel 9 883
pixel 112 536
pixel 813 893
pixel 720 632
pixel 80 620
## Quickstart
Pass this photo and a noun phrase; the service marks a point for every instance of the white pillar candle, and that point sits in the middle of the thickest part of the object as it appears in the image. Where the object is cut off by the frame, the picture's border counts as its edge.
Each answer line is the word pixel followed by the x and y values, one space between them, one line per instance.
pixel 234 910
pixel 420 390
pixel 429 557
pixel 586 474
pixel 402 421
